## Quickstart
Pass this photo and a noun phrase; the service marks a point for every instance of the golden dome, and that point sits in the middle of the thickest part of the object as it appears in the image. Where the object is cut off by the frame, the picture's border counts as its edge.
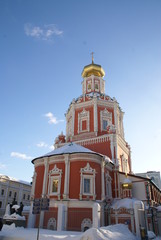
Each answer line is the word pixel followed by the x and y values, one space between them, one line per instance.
pixel 93 69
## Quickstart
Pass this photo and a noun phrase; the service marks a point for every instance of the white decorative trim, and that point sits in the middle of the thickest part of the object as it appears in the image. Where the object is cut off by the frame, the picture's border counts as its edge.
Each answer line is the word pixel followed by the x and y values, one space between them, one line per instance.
pixel 86 224
pixel 97 82
pixel 87 173
pixel 55 170
pixel 89 83
pixel 51 225
pixel 87 169
pixel 55 174
pixel 107 116
pixel 83 116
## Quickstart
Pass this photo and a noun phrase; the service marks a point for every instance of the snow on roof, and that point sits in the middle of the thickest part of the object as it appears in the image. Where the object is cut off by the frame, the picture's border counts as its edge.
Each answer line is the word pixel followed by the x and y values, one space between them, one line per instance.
pixel 124 203
pixel 68 149
pixel 13 179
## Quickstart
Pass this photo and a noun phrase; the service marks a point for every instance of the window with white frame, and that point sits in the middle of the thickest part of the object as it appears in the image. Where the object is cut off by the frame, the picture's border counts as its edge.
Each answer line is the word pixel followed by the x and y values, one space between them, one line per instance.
pixel 89 86
pixel 55 185
pixel 87 183
pixel 83 121
pixel 105 124
pixel 55 181
pixel 96 85
pixel 106 119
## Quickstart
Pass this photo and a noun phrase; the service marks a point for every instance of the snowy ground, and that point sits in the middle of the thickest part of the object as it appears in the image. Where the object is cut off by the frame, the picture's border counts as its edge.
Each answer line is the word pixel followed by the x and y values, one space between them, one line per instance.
pixel 113 232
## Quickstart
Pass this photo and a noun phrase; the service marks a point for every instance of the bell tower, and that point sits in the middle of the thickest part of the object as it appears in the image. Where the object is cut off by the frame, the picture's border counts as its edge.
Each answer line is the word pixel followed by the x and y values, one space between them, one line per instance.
pixel 95 120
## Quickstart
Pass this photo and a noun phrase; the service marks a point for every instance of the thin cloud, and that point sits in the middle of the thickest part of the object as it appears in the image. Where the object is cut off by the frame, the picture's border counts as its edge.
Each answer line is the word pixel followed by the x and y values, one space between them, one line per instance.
pixel 47 32
pixel 2 166
pixel 20 155
pixel 42 144
pixel 52 119
pixel 45 145
pixel 51 147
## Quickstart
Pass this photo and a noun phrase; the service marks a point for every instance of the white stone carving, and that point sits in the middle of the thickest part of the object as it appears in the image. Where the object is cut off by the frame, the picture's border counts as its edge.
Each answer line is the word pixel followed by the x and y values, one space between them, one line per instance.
pixel 87 169
pixel 51 224
pixel 55 170
pixel 55 174
pixel 86 224
pixel 83 116
pixel 107 116
pixel 87 173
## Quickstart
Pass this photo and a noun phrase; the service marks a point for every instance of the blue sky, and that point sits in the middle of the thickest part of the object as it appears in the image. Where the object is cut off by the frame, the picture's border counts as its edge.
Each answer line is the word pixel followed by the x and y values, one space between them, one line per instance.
pixel 44 46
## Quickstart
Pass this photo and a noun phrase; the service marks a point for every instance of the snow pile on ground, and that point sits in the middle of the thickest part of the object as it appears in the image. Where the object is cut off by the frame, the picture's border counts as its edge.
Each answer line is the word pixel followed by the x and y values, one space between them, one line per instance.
pixel 159 208
pixel 112 232
pixel 151 235
pixel 115 232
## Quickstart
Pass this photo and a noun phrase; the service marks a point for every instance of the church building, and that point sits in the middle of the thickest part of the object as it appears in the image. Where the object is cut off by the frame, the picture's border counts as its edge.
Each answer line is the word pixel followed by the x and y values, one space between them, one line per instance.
pixel 88 177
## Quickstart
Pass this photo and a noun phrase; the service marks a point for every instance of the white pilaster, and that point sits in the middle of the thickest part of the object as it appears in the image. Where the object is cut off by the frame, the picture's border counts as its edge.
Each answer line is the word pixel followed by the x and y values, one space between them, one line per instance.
pixel 112 148
pixel 92 82
pixel 73 118
pixel 103 178
pixel 81 186
pixel 96 215
pixel 31 220
pixel 115 185
pixel 115 117
pixel 46 166
pixel 61 217
pixel 94 186
pixel 100 80
pixel 95 115
pixel 66 180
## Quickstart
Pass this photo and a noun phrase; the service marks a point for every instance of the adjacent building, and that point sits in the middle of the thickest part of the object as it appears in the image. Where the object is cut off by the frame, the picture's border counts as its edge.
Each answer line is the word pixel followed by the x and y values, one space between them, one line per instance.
pixel 10 189
pixel 153 175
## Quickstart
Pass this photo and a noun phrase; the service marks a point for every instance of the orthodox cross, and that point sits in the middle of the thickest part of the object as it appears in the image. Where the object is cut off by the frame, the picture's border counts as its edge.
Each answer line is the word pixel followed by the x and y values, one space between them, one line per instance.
pixel 92 57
